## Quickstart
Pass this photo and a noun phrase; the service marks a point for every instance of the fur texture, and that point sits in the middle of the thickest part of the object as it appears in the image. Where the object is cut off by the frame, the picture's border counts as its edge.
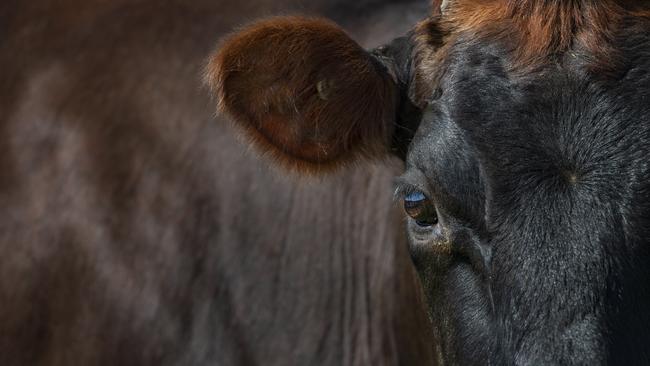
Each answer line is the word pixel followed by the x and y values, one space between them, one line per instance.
pixel 305 92
pixel 533 148
pixel 534 33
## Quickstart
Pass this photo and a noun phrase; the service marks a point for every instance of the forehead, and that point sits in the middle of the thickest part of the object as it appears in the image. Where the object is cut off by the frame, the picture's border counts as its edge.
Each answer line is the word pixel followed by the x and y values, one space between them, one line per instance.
pixel 495 60
pixel 487 125
pixel 524 86
pixel 531 33
pixel 483 111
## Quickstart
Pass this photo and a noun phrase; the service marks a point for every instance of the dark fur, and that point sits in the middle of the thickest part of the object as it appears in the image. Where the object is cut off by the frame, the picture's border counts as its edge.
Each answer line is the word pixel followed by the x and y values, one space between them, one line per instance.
pixel 134 230
pixel 534 147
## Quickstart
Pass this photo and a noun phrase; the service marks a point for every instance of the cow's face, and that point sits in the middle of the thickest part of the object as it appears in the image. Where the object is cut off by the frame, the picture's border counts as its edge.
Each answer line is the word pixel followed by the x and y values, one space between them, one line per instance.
pixel 516 172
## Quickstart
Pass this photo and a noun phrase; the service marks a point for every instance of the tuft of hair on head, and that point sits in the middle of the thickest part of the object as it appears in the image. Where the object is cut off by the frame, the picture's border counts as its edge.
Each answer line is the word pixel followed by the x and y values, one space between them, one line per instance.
pixel 539 30
pixel 303 91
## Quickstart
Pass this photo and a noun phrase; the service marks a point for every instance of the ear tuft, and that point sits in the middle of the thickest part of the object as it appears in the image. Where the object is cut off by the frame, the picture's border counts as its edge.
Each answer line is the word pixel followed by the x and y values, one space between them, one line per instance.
pixel 304 91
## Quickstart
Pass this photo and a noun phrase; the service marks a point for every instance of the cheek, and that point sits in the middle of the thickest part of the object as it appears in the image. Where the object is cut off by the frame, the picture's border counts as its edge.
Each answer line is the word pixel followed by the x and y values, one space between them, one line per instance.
pixel 436 249
pixel 467 308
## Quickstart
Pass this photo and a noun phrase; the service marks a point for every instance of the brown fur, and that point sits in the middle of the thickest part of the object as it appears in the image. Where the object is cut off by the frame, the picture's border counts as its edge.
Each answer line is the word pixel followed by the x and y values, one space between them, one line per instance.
pixel 135 230
pixel 304 91
pixel 542 28
pixel 536 32
pixel 428 41
pixel 436 7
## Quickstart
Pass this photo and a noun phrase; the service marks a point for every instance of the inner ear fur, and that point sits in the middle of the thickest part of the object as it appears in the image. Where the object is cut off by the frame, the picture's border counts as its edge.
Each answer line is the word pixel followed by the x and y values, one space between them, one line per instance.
pixel 305 92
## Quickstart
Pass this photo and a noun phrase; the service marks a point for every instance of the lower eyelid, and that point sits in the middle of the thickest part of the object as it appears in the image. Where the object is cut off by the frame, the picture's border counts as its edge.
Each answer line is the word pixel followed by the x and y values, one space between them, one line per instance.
pixel 435 228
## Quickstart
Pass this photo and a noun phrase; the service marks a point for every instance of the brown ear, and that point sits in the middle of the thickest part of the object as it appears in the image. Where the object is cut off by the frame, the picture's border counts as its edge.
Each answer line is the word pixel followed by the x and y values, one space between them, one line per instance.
pixel 305 92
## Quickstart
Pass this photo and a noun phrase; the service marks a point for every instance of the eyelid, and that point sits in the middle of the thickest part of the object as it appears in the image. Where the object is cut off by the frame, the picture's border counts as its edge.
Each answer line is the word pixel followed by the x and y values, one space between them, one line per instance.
pixel 404 187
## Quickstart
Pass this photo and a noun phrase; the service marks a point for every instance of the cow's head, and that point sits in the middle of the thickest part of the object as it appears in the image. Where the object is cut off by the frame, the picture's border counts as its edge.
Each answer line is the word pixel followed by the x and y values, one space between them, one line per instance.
pixel 525 131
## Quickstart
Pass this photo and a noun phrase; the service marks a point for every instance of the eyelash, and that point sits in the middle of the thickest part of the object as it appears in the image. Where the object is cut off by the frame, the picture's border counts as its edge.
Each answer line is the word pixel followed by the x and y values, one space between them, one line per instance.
pixel 404 190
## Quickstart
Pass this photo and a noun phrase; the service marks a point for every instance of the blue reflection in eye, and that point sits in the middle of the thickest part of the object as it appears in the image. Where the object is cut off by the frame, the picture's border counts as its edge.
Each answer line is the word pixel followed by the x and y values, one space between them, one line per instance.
pixel 420 209
pixel 415 197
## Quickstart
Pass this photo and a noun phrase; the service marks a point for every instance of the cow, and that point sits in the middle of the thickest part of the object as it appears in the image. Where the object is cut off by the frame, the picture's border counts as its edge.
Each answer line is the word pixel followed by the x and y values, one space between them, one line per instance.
pixel 525 130
pixel 136 230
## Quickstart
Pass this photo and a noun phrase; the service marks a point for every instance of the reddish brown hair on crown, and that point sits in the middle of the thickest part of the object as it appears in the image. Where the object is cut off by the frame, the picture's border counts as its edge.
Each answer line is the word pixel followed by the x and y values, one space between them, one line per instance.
pixel 535 32
pixel 543 27
pixel 304 92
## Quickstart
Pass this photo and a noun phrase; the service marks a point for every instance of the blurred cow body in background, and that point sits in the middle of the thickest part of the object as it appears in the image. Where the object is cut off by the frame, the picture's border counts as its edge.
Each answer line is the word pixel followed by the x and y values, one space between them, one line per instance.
pixel 135 230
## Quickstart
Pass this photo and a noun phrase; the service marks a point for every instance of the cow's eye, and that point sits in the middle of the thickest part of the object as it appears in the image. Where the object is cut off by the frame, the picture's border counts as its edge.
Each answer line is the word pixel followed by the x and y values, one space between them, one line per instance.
pixel 420 209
